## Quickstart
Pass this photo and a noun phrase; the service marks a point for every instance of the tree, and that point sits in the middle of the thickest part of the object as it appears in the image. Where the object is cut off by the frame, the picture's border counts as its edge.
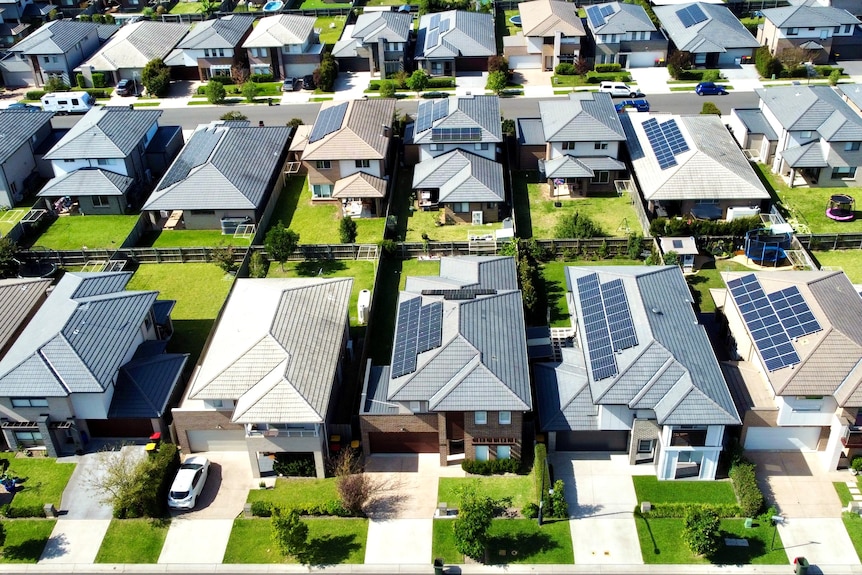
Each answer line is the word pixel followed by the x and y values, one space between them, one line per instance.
pixel 117 477
pixel 250 90
pixel 234 115
pixel 671 258
pixel 575 225
pixel 215 92
pixel 280 242
pixel 239 72
pixel 417 81
pixel 347 230
pixel 700 531
pixel 472 524
pixel 208 7
pixel 387 89
pixel 497 82
pixel 156 78
pixel 508 126
pixel 710 108
pixel 498 64
pixel 8 264
pixel 355 491
pixel 55 84
pixel 834 76
pixel 792 56
pixel 325 74
pixel 677 63
pixel 289 532
pixel 294 123
pixel 582 66
pixel 222 256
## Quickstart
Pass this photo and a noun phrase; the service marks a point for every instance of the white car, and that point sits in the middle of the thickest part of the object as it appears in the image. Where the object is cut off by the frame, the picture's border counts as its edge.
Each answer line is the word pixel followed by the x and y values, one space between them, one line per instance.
pixel 189 482
pixel 619 90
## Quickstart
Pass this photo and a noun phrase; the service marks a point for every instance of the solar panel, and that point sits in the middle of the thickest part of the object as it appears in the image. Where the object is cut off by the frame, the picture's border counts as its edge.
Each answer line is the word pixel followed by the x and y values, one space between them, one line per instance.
pixel 602 361
pixel 435 21
pixel 607 10
pixel 456 294
pixel 696 14
pixel 636 152
pixel 328 120
pixel 430 327
pixel 444 26
pixel 595 16
pixel 677 244
pixel 456 134
pixel 433 37
pixel 659 144
pixel 424 115
pixel 684 17
pixel 406 337
pixel 441 109
pixel 618 315
pixel 674 137
pixel 793 312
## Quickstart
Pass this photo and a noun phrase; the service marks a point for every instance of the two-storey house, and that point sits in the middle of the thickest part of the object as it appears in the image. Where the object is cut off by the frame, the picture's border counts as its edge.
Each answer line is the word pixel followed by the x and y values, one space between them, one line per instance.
pixel 454 41
pixel 270 378
pixel 624 34
pixel 458 383
pixel 551 33
pixel 376 43
pixel 818 31
pixel 285 46
pixel 23 132
pixel 211 48
pixel 17 18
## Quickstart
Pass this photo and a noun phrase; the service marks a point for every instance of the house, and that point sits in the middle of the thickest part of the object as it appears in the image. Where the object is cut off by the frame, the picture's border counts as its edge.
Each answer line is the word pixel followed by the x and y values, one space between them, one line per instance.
pixel 711 33
pixel 459 382
pixel 17 17
pixel 690 166
pixel 797 340
pixel 286 45
pixel 211 48
pixel 806 133
pixel 551 33
pixel 270 378
pixel 582 137
pixel 624 34
pixel 118 151
pixel 22 133
pixel 215 183
pixel 816 32
pixel 91 363
pixel 348 138
pixel 470 123
pixel 454 41
pixel 128 51
pixel 377 41
pixel 641 376
pixel 51 52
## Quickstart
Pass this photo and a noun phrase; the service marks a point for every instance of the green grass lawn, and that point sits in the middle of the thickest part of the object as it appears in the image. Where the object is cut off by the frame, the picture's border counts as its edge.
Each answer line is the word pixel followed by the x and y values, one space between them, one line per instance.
pixel 384 3
pixel 8 219
pixel 329 34
pixel 417 268
pixel 538 217
pixel 186 8
pixel 843 493
pixel 419 223
pixel 853 525
pixel 192 239
pixel 43 479
pixel 25 539
pixel 848 260
pixel 520 489
pixel 708 277
pixel 511 29
pixel 576 80
pixel 362 272
pixel 661 543
pixel 331 541
pixel 95 232
pixel 297 492
pixel 512 541
pixel 648 488
pixel 318 223
pixel 199 290
pixel 133 541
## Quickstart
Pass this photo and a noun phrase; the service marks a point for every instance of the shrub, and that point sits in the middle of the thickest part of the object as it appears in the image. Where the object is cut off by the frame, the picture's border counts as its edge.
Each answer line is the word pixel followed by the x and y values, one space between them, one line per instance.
pixel 574 225
pixel 294 465
pixel 147 495
pixel 671 258
pixel 215 92
pixel 81 80
pixel 711 76
pixel 824 70
pixel 21 511
pixel 261 508
pixel 35 94
pixel 634 246
pixel 436 83
pixel 498 64
pixel 289 533
pixel 258 265
pixel 607 68
pixel 99 80
pixel 387 89
pixel 710 108
pixel 565 69
pixel 700 531
pixel 261 78
pixel 491 466
pixel 676 510
pixel 333 508
pixel 673 227
pixel 249 91
pixel 530 510
pixel 834 76
pixel 559 506
pixel 417 81
pixel 745 486
pixel 355 491
pixel 97 92
pixel 56 85
pixel 223 257
pixel 347 230
pixel 766 63
pixel 434 95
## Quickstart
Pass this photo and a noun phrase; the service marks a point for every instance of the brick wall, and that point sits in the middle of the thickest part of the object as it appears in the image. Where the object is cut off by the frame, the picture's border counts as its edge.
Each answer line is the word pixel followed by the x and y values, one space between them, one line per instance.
pixel 200 420
pixel 493 429
pixel 422 423
pixel 643 429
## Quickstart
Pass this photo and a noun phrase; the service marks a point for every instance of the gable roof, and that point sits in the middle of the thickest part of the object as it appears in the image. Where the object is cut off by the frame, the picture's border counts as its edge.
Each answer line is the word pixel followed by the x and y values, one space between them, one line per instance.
pixel 17 127
pixel 19 298
pixel 56 37
pixel 105 132
pixel 389 26
pixel 455 33
pixel 583 117
pixel 224 32
pixel 78 339
pixel 712 156
pixel 222 167
pixel 134 45
pixel 359 185
pixel 461 177
pixel 718 32
pixel 276 349
pixel 619 18
pixel 813 108
pixel 87 182
pixel 547 17
pixel 281 30
pixel 481 112
pixel 360 134
pixel 808 16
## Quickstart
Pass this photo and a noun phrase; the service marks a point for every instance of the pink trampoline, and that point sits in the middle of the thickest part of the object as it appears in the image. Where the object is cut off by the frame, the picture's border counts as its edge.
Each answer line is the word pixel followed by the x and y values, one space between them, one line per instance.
pixel 840 208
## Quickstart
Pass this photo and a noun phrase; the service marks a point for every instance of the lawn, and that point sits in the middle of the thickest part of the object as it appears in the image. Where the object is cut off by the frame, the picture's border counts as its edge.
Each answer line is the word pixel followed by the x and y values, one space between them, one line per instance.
pixel 848 260
pixel 194 239
pixel 43 480
pixel 648 488
pixel 417 268
pixel 186 8
pixel 520 489
pixel 660 541
pixel 8 219
pixel 362 272
pixel 708 278
pixel 94 232
pixel 419 223
pixel 25 539
pixel 199 290
pixel 537 218
pixel 512 541
pixel 297 492
pixel 330 34
pixel 133 541
pixel 318 223
pixel 331 541
pixel 384 3
pixel 511 29
pixel 853 524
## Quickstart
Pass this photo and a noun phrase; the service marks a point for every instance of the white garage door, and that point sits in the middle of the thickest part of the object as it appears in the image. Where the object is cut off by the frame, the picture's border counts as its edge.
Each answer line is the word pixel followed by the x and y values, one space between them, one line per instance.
pixel 782 438
pixel 643 59
pixel 210 440
pixel 525 62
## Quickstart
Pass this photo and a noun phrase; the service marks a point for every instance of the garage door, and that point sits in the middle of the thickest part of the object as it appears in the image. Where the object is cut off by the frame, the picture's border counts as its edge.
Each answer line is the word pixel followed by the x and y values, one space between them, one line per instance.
pixel 643 59
pixel 209 440
pixel 404 442
pixel 782 438
pixel 593 441
pixel 525 62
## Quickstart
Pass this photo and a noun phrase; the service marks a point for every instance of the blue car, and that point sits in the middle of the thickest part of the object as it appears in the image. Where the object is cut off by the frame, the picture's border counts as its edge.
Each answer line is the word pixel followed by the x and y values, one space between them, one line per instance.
pixel 641 105
pixel 710 89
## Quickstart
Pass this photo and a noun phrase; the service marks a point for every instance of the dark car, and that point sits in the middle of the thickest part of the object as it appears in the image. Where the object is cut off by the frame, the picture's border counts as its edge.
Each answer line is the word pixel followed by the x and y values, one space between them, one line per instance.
pixel 21 106
pixel 124 88
pixel 640 105
pixel 308 82
pixel 710 89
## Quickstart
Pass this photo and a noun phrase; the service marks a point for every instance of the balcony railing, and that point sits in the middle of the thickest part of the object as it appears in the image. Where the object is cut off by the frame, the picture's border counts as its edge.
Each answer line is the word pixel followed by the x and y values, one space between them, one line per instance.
pixel 851 435
pixel 276 432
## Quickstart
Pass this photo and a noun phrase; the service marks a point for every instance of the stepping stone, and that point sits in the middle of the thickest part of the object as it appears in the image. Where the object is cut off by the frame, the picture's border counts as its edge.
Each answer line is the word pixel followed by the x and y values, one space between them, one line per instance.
pixel 857 497
pixel 852 483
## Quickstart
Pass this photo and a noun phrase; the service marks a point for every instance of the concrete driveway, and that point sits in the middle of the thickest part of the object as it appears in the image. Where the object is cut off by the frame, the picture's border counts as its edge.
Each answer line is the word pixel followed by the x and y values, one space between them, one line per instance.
pixel 75 541
pixel 537 83
pixel 226 489
pixel 81 499
pixel 796 484
pixel 351 85
pixel 651 80
pixel 470 83
pixel 203 541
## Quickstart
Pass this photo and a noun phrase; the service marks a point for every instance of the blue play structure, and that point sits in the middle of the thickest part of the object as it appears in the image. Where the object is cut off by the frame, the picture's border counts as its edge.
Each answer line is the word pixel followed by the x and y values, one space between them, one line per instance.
pixel 763 245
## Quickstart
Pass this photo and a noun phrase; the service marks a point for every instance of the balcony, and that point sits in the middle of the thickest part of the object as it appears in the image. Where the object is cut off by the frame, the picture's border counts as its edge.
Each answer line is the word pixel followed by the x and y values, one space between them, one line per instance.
pixel 279 430
pixel 851 435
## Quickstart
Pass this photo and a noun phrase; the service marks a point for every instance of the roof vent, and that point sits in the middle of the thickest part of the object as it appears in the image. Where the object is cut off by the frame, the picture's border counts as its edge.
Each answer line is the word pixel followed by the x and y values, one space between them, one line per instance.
pixel 656 311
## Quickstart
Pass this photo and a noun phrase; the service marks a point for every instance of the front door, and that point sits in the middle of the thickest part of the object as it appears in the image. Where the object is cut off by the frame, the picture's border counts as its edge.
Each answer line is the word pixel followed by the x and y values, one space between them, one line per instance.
pixel 623 60
pixel 455 431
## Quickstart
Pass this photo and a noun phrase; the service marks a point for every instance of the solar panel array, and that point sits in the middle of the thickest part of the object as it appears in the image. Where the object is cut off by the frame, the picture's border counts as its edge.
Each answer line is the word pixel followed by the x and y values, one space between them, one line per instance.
pixel 595 16
pixel 666 141
pixel 328 120
pixel 433 37
pixel 633 143
pixel 607 10
pixel 691 15
pixel 607 322
pixel 430 327
pixel 435 21
pixel 766 329
pixel 793 312
pixel 456 134
pixel 444 26
pixel 429 112
pixel 456 294
pixel 419 328
pixel 619 315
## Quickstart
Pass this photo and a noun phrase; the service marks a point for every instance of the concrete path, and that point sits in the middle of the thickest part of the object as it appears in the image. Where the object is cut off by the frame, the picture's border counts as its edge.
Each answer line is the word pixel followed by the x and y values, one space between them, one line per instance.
pixel 75 541
pixel 399 541
pixel 821 541
pixel 196 541
pixel 651 80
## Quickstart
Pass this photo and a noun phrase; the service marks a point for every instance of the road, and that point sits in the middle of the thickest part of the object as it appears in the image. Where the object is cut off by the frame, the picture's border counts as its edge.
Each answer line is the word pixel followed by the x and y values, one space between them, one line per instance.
pixel 190 116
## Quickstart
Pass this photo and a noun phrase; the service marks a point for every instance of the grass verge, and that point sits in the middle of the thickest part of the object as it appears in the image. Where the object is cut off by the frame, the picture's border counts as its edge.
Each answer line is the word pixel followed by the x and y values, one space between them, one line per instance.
pixel 330 542
pixel 133 541
pixel 25 539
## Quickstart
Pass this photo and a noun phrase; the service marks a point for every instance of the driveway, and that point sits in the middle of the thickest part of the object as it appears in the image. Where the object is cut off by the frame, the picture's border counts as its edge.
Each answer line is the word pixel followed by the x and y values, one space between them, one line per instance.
pixel 351 85
pixel 75 541
pixel 226 489
pixel 796 484
pixel 203 541
pixel 471 83
pixel 651 80
pixel 81 499
pixel 537 83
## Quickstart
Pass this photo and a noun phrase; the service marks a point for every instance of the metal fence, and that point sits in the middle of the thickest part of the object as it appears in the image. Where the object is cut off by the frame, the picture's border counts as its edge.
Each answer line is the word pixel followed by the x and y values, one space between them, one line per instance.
pixel 831 241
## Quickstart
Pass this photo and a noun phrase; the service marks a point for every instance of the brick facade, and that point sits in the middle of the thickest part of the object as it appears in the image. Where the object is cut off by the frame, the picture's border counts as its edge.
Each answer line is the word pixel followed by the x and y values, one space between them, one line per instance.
pixel 185 421
pixel 493 430
pixel 644 429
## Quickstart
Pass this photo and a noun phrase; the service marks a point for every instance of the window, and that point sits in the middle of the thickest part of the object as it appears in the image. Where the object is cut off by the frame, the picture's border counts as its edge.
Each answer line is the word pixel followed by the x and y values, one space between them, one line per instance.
pixel 75 101
pixel 600 146
pixel 504 417
pixel 202 212
pixel 68 161
pixel 792 31
pixel 461 207
pixel 480 146
pixel 321 191
pixel 363 163
pixel 569 145
pixel 29 402
pixel 206 52
pixel 852 146
pixel 220 52
pixel 147 323
pixel 490 206
pixel 100 201
pixel 323 164
pixel 436 147
pixel 261 70
pixel 415 406
pixel 482 453
pixel 805 134
pixel 106 161
pixel 645 445
pixel 31 438
pixel 480 418
pixel 215 403
pixel 844 173
pixel 601 177
pixel 848 28
pixel 504 452
pixel 46 59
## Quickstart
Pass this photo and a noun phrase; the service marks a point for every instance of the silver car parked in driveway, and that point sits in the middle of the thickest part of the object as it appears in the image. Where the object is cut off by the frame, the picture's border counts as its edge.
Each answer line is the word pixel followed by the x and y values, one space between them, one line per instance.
pixel 189 482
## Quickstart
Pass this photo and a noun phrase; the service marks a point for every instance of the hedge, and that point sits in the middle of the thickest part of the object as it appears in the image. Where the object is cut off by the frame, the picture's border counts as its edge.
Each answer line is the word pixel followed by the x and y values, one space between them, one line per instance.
pixel 433 83
pixel 541 474
pixel 674 510
pixel 260 78
pixel 491 466
pixel 433 95
pixel 34 94
pixel 745 486
pixel 607 68
pixel 99 80
pixel 21 511
pixel 333 507
pixel 673 227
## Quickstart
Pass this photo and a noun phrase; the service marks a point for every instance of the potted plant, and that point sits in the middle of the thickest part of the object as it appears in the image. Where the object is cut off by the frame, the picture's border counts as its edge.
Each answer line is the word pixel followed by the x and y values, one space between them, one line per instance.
pixel 856 465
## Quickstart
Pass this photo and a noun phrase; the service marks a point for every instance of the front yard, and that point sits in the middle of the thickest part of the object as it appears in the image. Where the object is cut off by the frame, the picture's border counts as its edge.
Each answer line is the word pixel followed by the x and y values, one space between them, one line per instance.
pixel 648 488
pixel 852 521
pixel 25 539
pixel 81 232
pixel 521 489
pixel 43 480
pixel 331 541
pixel 512 541
pixel 135 541
pixel 297 492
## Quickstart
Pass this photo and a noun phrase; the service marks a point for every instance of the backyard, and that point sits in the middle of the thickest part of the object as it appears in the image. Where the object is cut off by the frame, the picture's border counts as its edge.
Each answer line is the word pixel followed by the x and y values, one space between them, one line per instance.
pixel 135 541
pixel 82 232
pixel 25 540
pixel 708 277
pixel 8 219
pixel 186 8
pixel 848 260
pixel 512 541
pixel 330 26
pixel 331 541
pixel 191 239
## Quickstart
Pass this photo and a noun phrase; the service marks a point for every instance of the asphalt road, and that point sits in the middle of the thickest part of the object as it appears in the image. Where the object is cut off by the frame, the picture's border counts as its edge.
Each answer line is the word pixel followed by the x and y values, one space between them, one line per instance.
pixel 190 116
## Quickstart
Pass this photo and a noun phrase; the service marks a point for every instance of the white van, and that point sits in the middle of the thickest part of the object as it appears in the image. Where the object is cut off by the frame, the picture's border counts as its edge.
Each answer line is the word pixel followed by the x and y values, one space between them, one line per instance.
pixel 67 102
pixel 619 90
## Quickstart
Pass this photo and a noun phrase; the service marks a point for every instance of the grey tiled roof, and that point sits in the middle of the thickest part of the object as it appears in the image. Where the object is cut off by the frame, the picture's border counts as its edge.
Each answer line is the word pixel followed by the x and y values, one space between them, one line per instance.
pixel 18 299
pixel 852 92
pixel 145 386
pixel 468 34
pixel 17 127
pixel 563 396
pixel 808 16
pixel 755 122
pixel 565 167
pixel 56 37
pixel 813 108
pixel 222 168
pixel 390 26
pixel 461 177
pixel 529 132
pixel 584 117
pixel 805 156
pixel 225 32
pixel 464 112
pixel 277 31
pixel 136 44
pixel 721 31
pixel 105 132
pixel 625 18
pixel 362 134
pixel 87 182
pixel 480 271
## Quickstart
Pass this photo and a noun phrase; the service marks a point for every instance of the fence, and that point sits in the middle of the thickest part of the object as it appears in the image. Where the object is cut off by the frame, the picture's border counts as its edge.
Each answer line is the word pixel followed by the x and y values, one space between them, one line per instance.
pixel 831 241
